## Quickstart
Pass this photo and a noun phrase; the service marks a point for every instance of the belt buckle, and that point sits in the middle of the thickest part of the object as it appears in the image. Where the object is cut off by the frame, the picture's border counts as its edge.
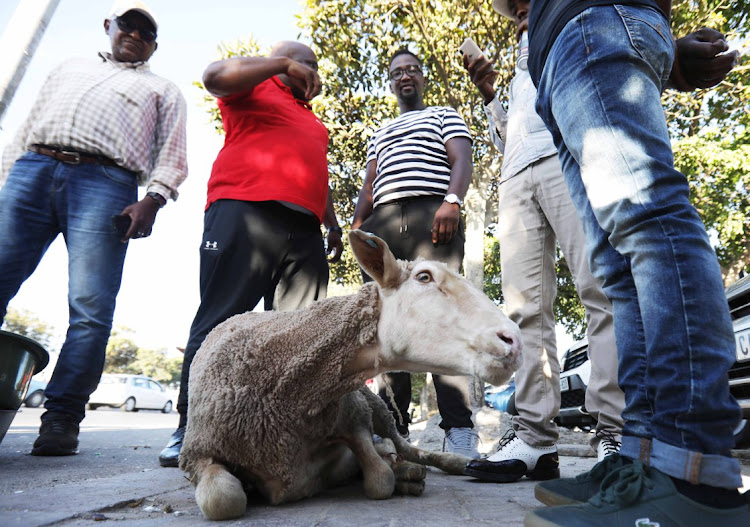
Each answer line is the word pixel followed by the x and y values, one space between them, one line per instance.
pixel 75 155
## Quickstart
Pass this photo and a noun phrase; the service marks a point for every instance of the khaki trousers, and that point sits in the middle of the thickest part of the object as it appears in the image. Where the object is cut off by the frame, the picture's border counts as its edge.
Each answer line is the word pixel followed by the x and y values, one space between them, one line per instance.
pixel 536 211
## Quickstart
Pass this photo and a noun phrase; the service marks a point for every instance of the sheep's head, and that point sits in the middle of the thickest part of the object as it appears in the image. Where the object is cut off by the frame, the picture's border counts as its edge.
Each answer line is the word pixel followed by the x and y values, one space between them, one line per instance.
pixel 432 319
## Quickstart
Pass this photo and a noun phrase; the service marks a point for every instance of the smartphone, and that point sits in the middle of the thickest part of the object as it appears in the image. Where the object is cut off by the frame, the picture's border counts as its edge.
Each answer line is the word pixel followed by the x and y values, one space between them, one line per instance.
pixel 121 223
pixel 470 49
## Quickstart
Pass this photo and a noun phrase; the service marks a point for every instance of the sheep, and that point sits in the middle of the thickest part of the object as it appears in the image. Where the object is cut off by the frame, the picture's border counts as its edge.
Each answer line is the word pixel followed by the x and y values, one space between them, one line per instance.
pixel 277 401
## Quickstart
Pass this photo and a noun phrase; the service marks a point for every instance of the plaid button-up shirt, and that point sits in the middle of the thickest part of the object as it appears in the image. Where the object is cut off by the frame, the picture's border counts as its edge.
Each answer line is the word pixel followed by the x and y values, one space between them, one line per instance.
pixel 115 109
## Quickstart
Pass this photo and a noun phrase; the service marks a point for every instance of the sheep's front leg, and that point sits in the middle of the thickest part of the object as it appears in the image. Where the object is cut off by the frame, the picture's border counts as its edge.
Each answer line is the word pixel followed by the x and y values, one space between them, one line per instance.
pixel 379 479
pixel 410 477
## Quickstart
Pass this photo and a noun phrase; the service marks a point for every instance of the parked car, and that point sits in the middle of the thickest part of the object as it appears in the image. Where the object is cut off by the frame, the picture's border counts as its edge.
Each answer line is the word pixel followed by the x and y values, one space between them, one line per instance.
pixel 738 296
pixel 131 393
pixel 35 394
pixel 576 370
pixel 574 376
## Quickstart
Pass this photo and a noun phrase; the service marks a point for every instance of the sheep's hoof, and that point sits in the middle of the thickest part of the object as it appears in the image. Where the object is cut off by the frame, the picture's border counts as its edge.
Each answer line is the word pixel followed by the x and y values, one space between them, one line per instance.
pixel 219 494
pixel 409 478
pixel 379 484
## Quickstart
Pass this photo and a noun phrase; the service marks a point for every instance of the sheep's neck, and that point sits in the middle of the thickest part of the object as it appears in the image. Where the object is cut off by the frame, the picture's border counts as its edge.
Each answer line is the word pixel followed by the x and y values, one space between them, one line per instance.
pixel 365 362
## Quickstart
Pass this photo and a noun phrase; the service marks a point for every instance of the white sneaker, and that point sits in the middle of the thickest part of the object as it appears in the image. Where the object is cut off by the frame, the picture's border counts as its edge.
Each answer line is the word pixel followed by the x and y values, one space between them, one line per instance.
pixel 515 459
pixel 608 444
pixel 462 441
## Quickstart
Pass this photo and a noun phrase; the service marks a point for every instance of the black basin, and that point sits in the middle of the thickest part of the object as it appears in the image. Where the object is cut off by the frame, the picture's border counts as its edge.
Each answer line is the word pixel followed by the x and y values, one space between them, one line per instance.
pixel 20 358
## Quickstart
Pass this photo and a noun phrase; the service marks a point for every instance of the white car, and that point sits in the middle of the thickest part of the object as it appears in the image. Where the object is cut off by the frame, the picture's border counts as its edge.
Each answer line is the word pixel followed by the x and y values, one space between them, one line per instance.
pixel 131 393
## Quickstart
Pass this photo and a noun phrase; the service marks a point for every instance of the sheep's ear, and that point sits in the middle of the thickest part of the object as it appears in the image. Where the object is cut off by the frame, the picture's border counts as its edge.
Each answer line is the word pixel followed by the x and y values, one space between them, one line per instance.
pixel 375 257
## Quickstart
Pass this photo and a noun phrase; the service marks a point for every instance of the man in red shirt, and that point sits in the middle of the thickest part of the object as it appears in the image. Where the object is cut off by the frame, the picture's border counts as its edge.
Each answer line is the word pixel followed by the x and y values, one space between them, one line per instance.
pixel 267 196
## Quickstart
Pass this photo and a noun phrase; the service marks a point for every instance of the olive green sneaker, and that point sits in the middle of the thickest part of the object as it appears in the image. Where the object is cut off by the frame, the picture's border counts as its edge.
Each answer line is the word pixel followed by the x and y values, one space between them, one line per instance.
pixel 637 496
pixel 571 491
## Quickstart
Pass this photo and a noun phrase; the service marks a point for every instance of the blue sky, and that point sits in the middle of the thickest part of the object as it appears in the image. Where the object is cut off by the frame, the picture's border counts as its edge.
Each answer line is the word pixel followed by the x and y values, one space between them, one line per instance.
pixel 159 293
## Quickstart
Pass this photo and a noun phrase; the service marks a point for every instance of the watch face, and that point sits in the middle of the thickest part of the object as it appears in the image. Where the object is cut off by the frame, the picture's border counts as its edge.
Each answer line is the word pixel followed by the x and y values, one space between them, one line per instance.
pixel 452 198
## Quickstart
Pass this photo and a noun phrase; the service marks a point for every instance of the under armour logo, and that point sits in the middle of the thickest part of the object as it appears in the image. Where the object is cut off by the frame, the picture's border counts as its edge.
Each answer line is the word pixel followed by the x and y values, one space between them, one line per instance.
pixel 645 522
pixel 212 246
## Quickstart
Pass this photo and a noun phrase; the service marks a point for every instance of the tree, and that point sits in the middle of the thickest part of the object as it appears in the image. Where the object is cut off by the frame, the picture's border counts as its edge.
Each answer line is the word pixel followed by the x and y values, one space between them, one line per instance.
pixel 121 351
pixel 23 322
pixel 156 364
pixel 354 40
pixel 125 356
pixel 712 139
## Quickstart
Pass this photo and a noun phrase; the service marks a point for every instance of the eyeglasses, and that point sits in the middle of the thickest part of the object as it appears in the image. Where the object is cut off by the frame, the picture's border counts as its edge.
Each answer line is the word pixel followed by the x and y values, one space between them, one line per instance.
pixel 411 70
pixel 146 35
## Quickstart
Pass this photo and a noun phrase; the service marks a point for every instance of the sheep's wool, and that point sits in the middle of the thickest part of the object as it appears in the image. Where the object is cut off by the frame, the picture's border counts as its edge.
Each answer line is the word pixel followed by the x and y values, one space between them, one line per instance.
pixel 264 387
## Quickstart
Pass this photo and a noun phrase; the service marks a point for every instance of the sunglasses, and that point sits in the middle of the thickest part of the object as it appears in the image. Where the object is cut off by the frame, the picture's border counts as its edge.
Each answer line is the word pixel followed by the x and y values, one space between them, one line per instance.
pixel 411 70
pixel 146 35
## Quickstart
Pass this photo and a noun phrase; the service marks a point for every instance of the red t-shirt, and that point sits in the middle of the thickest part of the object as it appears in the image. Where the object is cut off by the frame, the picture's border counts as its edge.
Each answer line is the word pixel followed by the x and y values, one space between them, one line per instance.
pixel 275 149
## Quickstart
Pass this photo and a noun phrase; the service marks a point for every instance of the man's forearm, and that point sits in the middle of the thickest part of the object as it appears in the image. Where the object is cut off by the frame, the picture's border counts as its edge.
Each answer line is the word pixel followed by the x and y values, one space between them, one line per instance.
pixel 241 74
pixel 329 219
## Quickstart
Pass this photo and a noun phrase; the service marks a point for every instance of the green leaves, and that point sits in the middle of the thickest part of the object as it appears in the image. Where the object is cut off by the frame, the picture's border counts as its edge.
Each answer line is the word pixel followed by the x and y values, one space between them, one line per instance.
pixel 354 40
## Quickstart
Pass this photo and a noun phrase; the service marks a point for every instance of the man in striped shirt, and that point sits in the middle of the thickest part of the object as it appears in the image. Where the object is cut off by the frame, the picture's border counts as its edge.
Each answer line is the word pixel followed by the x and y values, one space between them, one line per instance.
pixel 98 129
pixel 418 170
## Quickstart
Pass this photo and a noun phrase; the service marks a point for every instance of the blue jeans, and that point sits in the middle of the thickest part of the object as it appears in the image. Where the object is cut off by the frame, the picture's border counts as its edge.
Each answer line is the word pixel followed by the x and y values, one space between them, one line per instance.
pixel 600 97
pixel 42 198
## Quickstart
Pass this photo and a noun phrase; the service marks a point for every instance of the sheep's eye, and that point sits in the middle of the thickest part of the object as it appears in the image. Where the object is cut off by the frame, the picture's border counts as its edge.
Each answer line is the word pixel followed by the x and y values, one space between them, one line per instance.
pixel 424 277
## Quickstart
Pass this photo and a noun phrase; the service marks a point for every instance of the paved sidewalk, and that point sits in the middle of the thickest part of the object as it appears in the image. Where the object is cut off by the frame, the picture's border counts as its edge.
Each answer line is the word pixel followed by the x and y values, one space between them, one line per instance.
pixel 164 497
pixel 116 478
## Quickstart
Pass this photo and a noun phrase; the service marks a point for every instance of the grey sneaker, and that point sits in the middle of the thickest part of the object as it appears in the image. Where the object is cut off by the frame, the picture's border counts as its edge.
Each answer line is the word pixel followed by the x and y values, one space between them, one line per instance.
pixel 639 496
pixel 571 491
pixel 461 441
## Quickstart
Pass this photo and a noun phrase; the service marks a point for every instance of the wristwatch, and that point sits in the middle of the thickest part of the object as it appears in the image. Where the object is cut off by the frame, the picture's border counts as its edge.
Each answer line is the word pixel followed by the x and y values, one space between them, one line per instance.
pixel 453 198
pixel 158 198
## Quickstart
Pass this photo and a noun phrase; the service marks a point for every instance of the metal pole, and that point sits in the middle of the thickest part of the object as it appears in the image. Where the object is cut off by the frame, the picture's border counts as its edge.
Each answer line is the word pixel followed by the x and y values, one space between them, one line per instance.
pixel 19 43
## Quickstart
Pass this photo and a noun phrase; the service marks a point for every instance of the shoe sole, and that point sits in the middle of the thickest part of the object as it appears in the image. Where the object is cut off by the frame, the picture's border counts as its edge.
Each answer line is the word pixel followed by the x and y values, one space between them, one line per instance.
pixel 537 475
pixel 171 463
pixel 53 450
pixel 532 520
pixel 552 499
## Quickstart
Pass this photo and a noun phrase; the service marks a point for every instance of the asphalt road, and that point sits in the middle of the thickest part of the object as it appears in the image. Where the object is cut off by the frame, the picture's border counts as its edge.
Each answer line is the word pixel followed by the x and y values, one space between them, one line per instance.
pixel 112 442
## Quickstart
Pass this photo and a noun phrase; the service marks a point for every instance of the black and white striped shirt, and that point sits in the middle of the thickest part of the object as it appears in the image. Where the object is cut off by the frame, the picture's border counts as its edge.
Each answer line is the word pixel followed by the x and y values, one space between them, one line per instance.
pixel 410 153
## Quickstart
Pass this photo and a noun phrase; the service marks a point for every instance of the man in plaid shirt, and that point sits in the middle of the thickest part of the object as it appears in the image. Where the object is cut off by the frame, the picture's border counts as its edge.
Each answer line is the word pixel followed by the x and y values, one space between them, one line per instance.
pixel 98 129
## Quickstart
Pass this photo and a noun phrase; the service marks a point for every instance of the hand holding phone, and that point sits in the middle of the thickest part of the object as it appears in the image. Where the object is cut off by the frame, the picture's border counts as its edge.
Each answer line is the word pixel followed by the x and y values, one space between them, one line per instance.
pixel 470 50
pixel 121 223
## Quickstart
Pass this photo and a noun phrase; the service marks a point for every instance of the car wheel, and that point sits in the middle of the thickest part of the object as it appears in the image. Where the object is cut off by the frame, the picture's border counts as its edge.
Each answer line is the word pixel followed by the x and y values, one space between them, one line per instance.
pixel 93 406
pixel 129 405
pixel 35 399
pixel 742 434
pixel 167 408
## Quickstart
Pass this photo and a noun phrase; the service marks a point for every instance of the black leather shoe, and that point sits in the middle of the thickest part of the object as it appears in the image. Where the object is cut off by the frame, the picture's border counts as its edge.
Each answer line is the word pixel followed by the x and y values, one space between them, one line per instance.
pixel 58 435
pixel 170 456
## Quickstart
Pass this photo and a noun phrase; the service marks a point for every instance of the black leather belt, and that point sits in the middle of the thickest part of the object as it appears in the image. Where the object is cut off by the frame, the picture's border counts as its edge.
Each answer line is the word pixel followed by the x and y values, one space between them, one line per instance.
pixel 71 157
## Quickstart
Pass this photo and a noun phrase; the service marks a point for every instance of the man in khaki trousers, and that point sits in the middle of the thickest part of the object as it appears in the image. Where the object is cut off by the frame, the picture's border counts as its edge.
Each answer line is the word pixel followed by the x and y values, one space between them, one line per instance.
pixel 536 211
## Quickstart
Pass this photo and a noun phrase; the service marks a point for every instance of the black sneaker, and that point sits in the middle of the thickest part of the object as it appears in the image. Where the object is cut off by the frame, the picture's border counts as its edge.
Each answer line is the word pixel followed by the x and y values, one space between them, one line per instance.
pixel 58 435
pixel 170 456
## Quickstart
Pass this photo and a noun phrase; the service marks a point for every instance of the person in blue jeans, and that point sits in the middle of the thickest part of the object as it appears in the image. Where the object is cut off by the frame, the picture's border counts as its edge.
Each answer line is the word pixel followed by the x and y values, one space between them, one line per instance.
pixel 98 129
pixel 600 68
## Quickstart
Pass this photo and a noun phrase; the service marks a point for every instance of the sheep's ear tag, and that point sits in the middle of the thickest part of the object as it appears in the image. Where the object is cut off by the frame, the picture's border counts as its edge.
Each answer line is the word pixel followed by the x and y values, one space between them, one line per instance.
pixel 372 244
